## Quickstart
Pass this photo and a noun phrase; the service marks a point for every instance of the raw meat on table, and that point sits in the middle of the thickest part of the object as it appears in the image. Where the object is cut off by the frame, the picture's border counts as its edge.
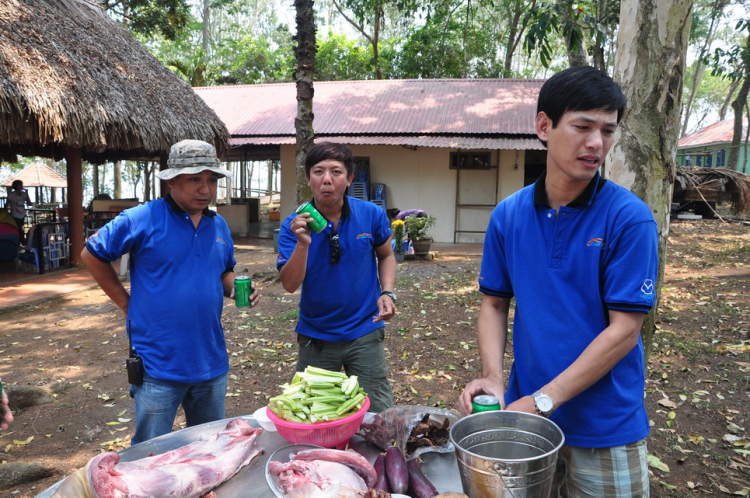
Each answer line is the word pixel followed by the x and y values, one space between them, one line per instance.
pixel 324 468
pixel 294 474
pixel 190 471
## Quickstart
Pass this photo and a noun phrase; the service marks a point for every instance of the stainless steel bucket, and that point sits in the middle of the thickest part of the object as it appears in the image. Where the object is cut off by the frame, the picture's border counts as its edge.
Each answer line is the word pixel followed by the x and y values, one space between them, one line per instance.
pixel 505 454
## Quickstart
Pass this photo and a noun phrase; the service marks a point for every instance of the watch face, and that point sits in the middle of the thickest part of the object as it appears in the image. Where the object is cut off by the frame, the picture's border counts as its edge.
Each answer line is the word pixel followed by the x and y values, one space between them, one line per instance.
pixel 544 403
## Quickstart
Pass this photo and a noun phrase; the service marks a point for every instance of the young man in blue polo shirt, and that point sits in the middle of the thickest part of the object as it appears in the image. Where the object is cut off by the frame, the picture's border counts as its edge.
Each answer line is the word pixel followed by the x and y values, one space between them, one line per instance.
pixel 347 273
pixel 579 255
pixel 181 268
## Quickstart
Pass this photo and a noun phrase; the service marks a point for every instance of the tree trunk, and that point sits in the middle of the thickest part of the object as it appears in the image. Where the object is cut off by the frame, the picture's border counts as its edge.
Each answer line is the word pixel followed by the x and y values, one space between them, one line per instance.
pixel 650 68
pixel 53 191
pixel 206 29
pixel 269 178
pixel 599 41
pixel 738 105
pixel 95 179
pixel 147 168
pixel 700 66
pixel 118 180
pixel 728 101
pixel 304 51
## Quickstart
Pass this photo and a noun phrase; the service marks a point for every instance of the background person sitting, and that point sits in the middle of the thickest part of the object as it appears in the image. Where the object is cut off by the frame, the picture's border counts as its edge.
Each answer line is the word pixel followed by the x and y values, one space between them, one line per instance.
pixel 395 214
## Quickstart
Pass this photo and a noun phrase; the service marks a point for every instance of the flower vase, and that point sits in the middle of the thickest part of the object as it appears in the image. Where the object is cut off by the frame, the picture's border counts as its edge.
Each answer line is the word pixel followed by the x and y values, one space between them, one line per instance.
pixel 399 256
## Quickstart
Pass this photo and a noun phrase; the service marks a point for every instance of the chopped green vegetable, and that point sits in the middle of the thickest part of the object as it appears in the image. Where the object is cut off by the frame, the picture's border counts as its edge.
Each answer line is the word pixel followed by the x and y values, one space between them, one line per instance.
pixel 318 395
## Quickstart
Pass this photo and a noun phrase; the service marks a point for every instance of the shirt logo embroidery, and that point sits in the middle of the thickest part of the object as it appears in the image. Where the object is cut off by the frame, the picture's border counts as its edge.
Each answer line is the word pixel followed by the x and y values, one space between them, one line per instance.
pixel 364 236
pixel 648 287
pixel 597 242
pixel 221 240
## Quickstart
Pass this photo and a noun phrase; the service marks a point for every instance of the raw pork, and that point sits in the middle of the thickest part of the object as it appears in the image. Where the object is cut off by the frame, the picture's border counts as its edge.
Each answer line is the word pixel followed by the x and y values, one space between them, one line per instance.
pixel 351 459
pixel 294 474
pixel 189 471
pixel 324 468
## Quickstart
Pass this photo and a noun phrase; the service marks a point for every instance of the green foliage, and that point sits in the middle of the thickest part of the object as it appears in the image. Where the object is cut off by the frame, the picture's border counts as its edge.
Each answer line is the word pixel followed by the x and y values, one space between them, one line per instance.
pixel 340 58
pixel 729 62
pixel 151 17
pixel 579 24
pixel 419 228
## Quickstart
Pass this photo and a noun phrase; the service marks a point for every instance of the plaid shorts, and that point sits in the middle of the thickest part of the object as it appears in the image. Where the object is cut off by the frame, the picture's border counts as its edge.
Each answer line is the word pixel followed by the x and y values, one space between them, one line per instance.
pixel 615 472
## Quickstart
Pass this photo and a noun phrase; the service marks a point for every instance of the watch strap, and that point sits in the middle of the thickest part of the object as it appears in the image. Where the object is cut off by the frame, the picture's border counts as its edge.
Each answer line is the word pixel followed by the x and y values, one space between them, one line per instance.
pixel 389 294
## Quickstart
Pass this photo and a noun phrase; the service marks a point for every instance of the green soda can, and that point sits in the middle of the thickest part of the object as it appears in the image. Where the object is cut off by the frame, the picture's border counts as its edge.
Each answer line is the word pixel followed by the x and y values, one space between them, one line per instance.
pixel 484 403
pixel 242 291
pixel 318 222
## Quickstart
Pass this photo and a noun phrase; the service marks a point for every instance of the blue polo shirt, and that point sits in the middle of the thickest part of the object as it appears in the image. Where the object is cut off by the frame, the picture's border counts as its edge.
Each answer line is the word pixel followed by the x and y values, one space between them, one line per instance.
pixel 176 291
pixel 338 301
pixel 566 272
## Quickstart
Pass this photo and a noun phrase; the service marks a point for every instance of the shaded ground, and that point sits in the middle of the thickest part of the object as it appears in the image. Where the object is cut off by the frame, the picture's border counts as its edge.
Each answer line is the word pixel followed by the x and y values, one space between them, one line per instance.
pixel 698 379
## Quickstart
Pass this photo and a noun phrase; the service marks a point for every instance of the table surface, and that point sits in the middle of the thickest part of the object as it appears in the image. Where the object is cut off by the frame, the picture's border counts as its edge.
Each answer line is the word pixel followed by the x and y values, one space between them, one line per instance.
pixel 250 482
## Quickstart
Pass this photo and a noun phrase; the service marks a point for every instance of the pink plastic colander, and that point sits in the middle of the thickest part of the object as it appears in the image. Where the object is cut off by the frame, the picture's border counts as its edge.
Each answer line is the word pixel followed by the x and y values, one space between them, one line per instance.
pixel 333 434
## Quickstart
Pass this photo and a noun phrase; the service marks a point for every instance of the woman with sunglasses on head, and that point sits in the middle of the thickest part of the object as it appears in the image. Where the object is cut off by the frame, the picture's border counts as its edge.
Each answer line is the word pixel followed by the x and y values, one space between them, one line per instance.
pixel 347 272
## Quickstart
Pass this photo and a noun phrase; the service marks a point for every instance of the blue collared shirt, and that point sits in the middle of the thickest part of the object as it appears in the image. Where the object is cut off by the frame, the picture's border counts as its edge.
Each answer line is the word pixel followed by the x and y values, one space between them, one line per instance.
pixel 566 272
pixel 177 294
pixel 338 301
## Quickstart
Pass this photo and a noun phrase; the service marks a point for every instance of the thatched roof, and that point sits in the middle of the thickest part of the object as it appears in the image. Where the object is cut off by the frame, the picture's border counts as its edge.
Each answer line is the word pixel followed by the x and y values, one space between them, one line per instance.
pixel 734 185
pixel 38 174
pixel 71 76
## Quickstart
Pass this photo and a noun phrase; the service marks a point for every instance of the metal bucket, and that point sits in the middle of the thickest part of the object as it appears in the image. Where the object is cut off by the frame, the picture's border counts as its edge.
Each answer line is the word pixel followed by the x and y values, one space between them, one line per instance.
pixel 505 454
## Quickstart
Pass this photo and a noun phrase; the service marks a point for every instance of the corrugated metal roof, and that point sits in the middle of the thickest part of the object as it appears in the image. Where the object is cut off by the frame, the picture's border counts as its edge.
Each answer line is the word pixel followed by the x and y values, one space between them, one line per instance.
pixel 474 143
pixel 382 107
pixel 723 131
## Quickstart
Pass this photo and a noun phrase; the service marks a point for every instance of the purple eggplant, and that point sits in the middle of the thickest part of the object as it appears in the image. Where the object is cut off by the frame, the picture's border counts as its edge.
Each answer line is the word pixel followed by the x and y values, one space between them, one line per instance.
pixel 395 468
pixel 419 485
pixel 381 482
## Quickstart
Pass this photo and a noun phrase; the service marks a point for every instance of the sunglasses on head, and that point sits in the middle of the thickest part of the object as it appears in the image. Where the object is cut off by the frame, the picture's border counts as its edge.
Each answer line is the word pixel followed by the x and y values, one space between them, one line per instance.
pixel 333 241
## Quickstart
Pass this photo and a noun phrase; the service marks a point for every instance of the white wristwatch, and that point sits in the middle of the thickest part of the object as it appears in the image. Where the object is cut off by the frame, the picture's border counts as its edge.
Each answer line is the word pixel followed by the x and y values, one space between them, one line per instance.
pixel 543 403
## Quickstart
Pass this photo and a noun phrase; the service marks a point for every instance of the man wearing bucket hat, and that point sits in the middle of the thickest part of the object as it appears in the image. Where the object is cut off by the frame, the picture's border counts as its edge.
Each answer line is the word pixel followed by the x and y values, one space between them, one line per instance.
pixel 181 268
pixel 579 255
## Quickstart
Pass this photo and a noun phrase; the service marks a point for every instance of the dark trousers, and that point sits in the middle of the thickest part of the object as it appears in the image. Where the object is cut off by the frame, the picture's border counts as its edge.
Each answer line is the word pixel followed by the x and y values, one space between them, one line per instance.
pixel 19 224
pixel 363 357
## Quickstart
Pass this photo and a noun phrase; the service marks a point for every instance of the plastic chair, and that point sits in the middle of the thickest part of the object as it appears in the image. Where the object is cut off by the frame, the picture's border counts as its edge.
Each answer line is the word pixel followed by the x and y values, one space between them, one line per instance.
pixel 30 254
pixel 377 195
pixel 57 249
pixel 359 190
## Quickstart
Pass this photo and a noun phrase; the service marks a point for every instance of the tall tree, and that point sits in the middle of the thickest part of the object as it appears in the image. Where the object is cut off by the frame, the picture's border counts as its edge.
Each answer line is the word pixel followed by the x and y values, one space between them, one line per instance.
pixel 579 24
pixel 738 57
pixel 117 190
pixel 368 18
pixel 704 27
pixel 304 51
pixel 510 18
pixel 650 66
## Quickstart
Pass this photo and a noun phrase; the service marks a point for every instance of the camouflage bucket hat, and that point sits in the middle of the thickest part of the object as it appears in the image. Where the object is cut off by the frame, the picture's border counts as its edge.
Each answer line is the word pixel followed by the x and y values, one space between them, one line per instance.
pixel 190 157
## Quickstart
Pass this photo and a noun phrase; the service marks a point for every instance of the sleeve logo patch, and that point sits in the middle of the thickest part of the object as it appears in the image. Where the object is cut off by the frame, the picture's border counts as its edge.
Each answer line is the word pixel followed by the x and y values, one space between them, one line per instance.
pixel 648 287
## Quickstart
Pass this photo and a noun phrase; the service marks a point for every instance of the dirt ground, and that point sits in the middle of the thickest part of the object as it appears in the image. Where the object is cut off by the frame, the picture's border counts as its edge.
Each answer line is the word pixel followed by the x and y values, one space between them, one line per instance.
pixel 698 391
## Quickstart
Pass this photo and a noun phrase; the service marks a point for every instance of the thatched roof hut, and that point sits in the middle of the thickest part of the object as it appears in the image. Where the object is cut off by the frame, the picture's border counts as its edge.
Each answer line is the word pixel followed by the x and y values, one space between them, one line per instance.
pixel 70 76
pixel 38 174
pixel 75 84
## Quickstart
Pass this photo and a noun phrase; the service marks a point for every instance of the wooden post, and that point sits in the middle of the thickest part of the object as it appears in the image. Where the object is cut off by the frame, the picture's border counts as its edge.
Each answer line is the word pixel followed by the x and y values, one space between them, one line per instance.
pixel 75 203
pixel 163 185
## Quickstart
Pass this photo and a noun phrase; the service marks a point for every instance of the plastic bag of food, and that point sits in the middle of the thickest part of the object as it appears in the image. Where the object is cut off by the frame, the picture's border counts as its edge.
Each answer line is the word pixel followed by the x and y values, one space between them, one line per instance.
pixel 414 429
